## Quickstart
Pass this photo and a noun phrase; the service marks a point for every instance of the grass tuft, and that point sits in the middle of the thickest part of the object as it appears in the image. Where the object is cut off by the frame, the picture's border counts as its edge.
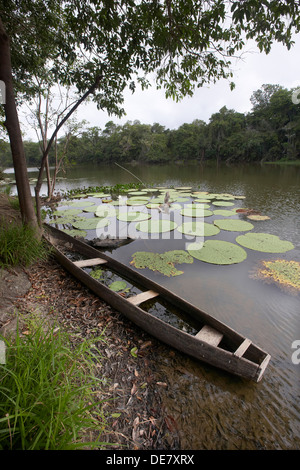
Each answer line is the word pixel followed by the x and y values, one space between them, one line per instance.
pixel 20 246
pixel 48 393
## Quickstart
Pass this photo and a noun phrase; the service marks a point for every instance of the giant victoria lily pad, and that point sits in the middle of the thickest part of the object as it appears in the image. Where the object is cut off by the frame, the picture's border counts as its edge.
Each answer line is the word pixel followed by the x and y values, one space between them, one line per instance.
pixel 156 226
pixel 90 224
pixel 198 229
pixel 264 242
pixel 197 212
pixel 133 216
pixel 217 252
pixel 161 262
pixel 233 225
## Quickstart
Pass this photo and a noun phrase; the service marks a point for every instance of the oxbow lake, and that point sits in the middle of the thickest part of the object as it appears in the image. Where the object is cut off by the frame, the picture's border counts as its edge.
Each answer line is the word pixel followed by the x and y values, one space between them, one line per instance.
pixel 212 409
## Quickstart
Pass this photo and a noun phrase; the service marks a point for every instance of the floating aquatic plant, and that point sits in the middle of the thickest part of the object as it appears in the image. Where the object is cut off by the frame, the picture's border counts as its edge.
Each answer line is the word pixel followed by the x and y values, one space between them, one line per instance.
pixel 97 273
pixel 133 216
pixel 264 242
pixel 75 233
pixel 233 225
pixel 223 203
pixel 66 212
pixel 79 203
pixel 258 217
pixel 224 212
pixel 91 224
pixel 161 262
pixel 283 272
pixel 156 226
pixel 105 211
pixel 197 212
pixel 198 229
pixel 118 286
pixel 217 252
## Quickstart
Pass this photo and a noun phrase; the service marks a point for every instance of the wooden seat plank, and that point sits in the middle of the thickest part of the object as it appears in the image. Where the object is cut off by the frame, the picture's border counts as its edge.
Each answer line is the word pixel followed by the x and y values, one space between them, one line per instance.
pixel 142 297
pixel 242 348
pixel 209 335
pixel 89 262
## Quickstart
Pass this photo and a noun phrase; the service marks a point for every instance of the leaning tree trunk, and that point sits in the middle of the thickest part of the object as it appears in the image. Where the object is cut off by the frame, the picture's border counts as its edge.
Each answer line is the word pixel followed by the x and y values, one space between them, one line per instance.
pixel 15 137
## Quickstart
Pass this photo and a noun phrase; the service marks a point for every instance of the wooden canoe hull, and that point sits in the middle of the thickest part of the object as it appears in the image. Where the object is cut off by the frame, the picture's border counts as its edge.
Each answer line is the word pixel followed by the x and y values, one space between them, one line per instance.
pixel 250 367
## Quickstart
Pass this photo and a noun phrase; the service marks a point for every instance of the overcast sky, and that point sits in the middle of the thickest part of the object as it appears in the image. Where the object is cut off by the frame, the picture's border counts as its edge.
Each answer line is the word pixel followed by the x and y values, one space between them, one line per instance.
pixel 279 67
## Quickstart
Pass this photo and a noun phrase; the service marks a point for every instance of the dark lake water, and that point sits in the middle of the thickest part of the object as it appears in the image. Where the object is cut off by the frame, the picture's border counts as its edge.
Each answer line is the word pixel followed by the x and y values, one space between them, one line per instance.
pixel 214 410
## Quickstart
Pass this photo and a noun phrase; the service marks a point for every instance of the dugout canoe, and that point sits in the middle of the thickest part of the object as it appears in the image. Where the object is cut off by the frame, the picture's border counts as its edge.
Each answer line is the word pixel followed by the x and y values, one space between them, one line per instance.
pixel 213 343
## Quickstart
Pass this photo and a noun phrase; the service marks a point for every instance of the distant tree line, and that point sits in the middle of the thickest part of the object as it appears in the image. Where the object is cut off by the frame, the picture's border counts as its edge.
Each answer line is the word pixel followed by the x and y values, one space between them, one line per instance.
pixel 270 132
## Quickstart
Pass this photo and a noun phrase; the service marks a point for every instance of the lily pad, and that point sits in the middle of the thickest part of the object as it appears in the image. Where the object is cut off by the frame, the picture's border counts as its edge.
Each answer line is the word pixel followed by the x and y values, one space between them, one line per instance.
pixel 161 262
pixel 62 220
pixel 66 212
pixel 198 229
pixel 258 217
pixel 136 202
pixel 156 226
pixel 91 224
pixel 75 233
pixel 118 286
pixel 105 211
pixel 224 212
pixel 198 212
pixel 97 273
pixel 286 273
pixel 80 203
pixel 264 242
pixel 217 252
pixel 197 205
pixel 223 203
pixel 233 225
pixel 133 216
pixel 152 205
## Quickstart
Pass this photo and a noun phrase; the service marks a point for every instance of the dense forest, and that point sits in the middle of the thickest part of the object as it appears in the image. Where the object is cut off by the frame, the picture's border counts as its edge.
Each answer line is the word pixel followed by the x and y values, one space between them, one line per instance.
pixel 270 132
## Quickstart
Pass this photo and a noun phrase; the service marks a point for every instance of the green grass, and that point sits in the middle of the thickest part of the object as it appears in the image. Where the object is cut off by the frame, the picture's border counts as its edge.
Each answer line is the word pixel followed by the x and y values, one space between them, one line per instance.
pixel 20 246
pixel 48 393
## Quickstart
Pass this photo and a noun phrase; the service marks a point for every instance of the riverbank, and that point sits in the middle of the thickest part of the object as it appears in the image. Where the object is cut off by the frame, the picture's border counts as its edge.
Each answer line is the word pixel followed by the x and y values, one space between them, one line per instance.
pixel 132 384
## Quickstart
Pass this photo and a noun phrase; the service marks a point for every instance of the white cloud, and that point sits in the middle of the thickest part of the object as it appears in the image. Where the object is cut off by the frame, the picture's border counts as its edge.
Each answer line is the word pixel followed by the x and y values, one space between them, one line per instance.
pixel 279 67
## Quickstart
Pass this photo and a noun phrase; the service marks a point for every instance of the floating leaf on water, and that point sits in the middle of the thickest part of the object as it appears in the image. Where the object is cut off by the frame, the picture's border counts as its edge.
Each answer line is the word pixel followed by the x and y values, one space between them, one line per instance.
pixel 79 203
pixel 217 252
pixel 224 212
pixel 197 205
pixel 100 195
pixel 223 203
pixel 156 226
pixel 91 224
pixel 286 273
pixel 233 225
pixel 161 262
pixel 198 212
pixel 258 217
pixel 264 242
pixel 97 273
pixel 62 220
pixel 138 198
pixel 105 211
pixel 118 286
pixel 137 193
pixel 153 205
pixel 198 229
pixel 136 202
pixel 66 212
pixel 75 233
pixel 133 216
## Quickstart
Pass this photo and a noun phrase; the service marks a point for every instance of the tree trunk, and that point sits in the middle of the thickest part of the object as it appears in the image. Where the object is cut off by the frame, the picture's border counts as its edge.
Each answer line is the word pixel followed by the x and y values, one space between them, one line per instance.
pixel 15 137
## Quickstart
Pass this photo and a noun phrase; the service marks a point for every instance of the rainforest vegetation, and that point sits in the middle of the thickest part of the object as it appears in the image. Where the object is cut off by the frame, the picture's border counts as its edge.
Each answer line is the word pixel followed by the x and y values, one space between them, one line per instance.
pixel 270 132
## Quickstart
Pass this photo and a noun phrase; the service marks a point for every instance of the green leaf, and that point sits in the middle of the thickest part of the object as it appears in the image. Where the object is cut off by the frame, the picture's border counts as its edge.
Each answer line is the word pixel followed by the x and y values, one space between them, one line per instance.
pixel 217 252
pixel 264 242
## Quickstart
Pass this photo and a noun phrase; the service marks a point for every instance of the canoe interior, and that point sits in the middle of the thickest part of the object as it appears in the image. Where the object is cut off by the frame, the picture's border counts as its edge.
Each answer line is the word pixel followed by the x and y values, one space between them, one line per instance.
pixel 167 316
